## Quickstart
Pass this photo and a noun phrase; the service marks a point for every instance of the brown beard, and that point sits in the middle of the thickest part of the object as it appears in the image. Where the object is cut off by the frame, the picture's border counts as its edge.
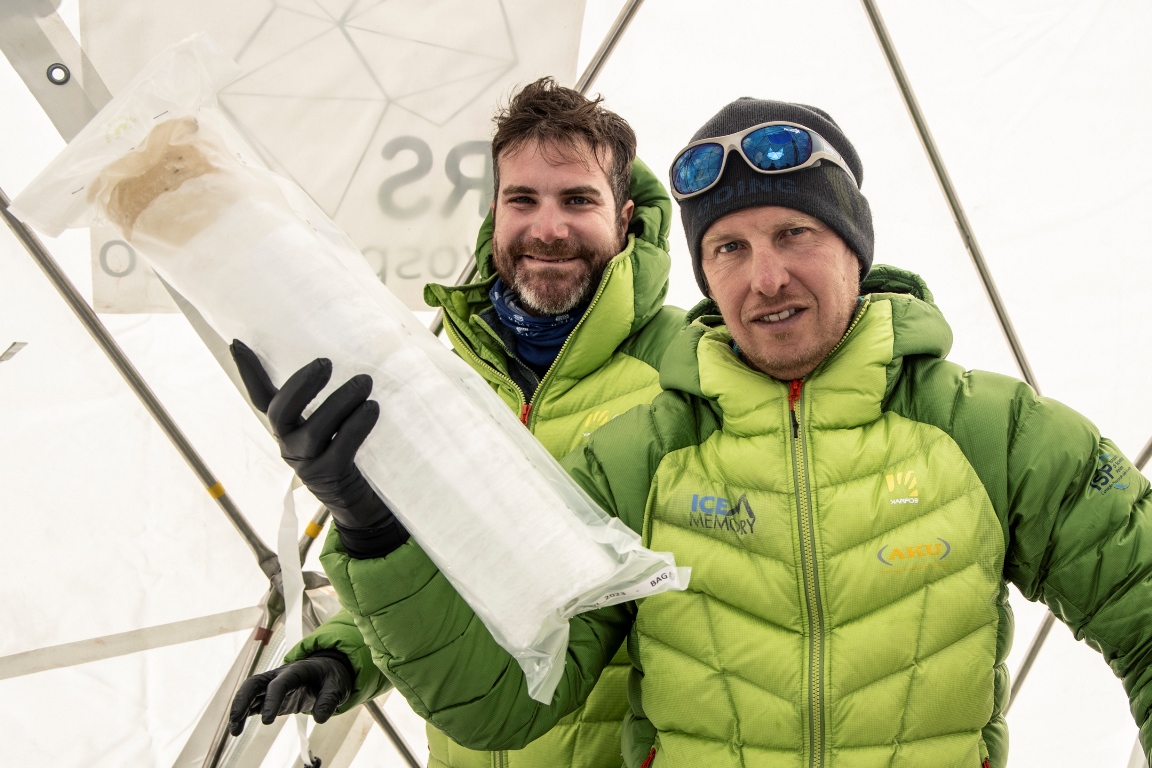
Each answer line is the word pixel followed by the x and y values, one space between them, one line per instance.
pixel 545 294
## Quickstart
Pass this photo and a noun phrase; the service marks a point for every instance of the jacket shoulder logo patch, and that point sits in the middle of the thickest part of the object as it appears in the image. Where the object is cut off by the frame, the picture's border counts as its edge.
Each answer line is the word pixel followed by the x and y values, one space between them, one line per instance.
pixel 1111 470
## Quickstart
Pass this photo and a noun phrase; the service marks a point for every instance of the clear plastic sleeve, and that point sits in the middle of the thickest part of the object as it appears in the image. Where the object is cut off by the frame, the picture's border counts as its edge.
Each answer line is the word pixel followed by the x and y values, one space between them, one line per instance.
pixel 518 539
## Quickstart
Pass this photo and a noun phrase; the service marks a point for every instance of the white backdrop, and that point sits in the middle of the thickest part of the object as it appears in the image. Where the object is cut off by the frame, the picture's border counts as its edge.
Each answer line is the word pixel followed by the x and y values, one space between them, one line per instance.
pixel 1038 112
pixel 391 99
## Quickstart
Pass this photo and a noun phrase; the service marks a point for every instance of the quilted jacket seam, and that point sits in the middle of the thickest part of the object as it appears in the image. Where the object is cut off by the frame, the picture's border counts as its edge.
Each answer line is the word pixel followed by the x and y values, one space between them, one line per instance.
pixel 729 673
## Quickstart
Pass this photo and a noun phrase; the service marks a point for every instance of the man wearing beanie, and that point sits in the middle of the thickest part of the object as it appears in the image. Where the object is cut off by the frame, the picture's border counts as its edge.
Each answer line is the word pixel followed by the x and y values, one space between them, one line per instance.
pixel 852 506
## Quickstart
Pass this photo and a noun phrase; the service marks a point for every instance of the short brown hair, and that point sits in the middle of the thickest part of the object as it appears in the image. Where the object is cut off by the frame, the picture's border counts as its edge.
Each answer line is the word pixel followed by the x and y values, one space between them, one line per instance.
pixel 545 112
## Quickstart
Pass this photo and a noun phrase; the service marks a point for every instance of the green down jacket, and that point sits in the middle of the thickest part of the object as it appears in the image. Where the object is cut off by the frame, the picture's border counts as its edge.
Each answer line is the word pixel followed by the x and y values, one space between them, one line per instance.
pixel 850 535
pixel 608 366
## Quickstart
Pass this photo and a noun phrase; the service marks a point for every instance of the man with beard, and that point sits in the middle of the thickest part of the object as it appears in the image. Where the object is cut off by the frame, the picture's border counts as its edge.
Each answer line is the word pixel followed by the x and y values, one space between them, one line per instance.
pixel 852 505
pixel 567 324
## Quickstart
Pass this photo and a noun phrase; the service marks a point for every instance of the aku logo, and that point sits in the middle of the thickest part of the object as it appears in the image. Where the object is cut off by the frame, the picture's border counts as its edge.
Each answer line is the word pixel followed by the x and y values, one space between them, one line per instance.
pixel 931 552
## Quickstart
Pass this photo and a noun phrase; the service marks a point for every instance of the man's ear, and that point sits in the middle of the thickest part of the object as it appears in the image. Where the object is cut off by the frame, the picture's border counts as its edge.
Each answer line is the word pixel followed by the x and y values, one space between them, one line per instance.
pixel 626 216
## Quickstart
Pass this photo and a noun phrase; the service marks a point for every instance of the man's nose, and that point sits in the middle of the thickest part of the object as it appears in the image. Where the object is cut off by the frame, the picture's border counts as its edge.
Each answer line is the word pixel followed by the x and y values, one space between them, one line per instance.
pixel 550 223
pixel 770 272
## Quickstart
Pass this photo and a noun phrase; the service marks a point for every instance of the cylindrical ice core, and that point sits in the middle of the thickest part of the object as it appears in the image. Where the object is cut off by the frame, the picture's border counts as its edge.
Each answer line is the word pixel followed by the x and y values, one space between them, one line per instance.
pixel 457 481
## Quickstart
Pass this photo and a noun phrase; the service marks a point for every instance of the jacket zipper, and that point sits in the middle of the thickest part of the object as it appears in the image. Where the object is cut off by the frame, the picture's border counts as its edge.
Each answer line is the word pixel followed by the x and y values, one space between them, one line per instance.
pixel 498 759
pixel 526 405
pixel 807 530
pixel 458 343
pixel 793 396
pixel 811 578
pixel 864 302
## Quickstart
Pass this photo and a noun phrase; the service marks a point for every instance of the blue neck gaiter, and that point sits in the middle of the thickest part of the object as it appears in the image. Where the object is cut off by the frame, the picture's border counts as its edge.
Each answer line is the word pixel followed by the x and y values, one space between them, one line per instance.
pixel 538 339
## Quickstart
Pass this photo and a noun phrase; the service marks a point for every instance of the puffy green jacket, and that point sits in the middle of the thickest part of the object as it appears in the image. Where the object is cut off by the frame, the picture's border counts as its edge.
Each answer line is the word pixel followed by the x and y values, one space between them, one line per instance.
pixel 850 547
pixel 608 365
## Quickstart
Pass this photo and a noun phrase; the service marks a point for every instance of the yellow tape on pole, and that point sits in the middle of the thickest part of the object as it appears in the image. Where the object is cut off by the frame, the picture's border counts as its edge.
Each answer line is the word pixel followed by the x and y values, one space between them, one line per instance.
pixel 216 491
pixel 313 530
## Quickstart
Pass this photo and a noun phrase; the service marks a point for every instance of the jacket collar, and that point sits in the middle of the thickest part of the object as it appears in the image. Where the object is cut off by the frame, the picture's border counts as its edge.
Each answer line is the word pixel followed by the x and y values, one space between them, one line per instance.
pixel 897 319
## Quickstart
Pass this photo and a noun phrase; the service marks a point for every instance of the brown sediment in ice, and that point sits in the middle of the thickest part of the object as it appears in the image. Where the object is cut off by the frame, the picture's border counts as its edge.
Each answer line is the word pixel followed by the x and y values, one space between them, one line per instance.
pixel 165 187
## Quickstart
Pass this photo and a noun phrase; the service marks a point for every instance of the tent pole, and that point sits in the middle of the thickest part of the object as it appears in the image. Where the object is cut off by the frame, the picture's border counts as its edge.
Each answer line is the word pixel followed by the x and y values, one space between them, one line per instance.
pixel 962 224
pixel 607 46
pixel 1137 759
pixel 1049 619
pixel 393 734
pixel 1144 455
pixel 969 238
pixel 253 655
pixel 265 556
pixel 312 531
pixel 1030 658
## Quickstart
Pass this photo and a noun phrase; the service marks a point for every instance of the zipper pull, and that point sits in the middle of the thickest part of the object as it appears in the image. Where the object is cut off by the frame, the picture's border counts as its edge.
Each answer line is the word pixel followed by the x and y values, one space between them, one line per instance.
pixel 648 760
pixel 986 764
pixel 524 411
pixel 793 398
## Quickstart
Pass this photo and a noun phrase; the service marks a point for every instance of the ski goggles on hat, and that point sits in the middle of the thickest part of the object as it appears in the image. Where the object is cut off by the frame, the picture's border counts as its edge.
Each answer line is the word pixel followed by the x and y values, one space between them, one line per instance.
pixel 775 147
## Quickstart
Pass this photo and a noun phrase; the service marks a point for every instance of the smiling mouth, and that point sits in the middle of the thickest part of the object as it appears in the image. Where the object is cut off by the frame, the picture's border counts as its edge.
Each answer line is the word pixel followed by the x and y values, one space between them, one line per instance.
pixel 779 316
pixel 548 261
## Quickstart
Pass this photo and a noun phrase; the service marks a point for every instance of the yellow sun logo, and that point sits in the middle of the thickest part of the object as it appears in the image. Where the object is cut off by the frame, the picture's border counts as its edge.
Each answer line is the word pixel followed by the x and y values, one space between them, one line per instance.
pixel 906 481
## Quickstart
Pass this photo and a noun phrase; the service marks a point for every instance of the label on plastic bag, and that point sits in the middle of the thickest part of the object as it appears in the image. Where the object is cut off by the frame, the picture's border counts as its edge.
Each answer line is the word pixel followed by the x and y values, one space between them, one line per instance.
pixel 664 580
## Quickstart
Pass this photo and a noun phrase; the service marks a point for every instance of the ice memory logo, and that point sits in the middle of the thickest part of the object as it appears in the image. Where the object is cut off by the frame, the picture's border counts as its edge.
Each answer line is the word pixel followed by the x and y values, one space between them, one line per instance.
pixel 718 513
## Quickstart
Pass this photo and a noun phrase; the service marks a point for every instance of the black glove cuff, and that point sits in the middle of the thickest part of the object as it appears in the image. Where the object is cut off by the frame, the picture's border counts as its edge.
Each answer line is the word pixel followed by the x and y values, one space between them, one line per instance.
pixel 337 655
pixel 375 541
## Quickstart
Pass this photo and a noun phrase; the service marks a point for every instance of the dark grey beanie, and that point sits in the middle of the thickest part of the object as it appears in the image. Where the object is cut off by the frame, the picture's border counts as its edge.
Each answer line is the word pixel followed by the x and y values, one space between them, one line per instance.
pixel 823 191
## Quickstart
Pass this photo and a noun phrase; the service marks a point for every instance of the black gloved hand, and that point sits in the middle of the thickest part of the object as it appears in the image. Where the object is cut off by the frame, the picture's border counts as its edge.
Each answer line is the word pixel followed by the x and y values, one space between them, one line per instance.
pixel 322 448
pixel 319 683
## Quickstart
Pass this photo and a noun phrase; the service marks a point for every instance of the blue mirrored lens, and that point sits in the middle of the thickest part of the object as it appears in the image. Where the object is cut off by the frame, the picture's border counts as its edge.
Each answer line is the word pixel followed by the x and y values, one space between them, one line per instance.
pixel 697 168
pixel 777 147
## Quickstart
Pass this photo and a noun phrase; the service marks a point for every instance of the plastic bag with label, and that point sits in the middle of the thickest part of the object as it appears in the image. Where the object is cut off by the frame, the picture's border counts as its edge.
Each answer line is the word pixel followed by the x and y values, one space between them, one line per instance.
pixel 516 537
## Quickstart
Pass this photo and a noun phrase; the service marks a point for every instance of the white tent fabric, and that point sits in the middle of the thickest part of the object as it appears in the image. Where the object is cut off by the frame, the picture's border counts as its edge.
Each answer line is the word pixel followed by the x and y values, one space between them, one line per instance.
pixel 1038 115
pixel 396 120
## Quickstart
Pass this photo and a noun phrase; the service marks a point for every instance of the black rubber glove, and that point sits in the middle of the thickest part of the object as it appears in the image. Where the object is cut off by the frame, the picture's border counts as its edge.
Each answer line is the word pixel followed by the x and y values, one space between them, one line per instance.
pixel 318 684
pixel 322 448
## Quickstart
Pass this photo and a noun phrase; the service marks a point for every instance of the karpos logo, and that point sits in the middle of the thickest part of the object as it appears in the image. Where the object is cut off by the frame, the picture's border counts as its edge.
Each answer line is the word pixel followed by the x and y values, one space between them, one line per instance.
pixel 595 420
pixel 905 482
pixel 718 513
